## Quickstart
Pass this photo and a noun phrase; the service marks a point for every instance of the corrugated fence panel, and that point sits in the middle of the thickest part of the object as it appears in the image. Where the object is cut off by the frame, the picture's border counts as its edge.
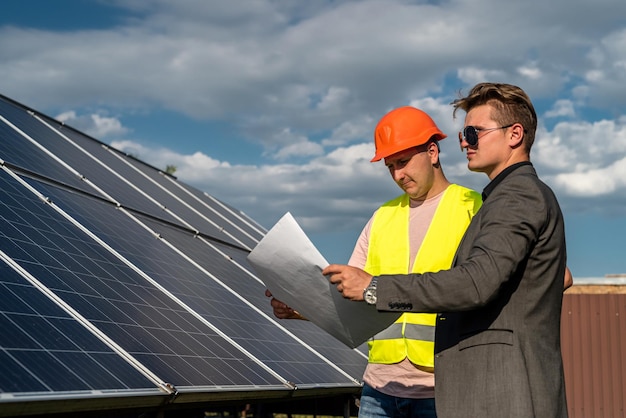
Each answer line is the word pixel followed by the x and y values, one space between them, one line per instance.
pixel 593 335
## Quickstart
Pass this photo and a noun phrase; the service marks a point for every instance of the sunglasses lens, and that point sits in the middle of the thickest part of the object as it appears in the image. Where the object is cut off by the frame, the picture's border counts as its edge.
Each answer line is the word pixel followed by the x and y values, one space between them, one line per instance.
pixel 471 136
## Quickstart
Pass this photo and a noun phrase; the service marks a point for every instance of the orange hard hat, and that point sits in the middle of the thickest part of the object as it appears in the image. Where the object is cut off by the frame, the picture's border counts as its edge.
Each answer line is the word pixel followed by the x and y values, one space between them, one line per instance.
pixel 403 128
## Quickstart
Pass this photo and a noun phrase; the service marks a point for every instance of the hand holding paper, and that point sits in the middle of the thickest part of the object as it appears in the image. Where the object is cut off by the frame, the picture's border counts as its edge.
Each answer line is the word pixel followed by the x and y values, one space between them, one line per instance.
pixel 291 268
pixel 350 281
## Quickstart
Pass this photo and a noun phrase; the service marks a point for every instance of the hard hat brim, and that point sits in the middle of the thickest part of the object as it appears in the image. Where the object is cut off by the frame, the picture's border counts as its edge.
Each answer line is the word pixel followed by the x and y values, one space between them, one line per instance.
pixel 407 144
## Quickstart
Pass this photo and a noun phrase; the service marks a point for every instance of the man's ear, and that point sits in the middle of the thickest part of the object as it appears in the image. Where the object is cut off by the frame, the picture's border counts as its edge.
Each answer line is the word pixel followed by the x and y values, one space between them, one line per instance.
pixel 433 152
pixel 517 135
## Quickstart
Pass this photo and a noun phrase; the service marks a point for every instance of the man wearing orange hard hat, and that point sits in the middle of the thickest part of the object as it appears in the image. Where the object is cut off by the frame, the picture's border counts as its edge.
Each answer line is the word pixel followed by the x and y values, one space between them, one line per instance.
pixel 418 231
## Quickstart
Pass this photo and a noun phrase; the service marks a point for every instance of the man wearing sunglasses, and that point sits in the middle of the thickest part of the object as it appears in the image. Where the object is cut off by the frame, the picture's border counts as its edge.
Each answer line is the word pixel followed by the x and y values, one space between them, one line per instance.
pixel 497 343
pixel 416 232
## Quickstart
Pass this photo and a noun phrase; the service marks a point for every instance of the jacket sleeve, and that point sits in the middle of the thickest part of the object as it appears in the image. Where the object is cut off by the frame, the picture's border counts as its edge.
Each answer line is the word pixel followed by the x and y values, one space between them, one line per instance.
pixel 493 252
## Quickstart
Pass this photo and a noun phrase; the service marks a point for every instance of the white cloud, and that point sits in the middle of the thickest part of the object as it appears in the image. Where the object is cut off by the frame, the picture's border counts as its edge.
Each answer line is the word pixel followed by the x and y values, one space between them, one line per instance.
pixel 95 125
pixel 584 144
pixel 334 99
pixel 560 108
pixel 532 73
pixel 473 75
pixel 299 149
pixel 584 160
pixel 350 131
pixel 606 75
pixel 595 182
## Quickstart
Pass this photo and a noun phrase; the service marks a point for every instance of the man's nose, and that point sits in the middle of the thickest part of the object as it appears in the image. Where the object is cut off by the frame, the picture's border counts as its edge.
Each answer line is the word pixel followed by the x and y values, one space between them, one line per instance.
pixel 397 173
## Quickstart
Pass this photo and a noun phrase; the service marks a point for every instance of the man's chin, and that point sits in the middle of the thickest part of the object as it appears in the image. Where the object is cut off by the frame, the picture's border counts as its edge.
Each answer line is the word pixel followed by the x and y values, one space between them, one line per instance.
pixel 475 168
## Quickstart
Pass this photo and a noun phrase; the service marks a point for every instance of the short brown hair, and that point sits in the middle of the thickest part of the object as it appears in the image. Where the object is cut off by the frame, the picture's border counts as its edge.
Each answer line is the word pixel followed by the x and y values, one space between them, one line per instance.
pixel 510 103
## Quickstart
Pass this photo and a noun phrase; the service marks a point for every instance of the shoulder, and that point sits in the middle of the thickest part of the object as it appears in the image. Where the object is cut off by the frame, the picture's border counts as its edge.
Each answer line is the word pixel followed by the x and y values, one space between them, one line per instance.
pixel 403 199
pixel 524 184
pixel 463 191
pixel 523 198
pixel 465 196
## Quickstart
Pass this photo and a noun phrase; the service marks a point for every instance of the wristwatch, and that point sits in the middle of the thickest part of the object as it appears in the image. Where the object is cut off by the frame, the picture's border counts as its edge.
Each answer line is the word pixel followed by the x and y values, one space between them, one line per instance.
pixel 369 294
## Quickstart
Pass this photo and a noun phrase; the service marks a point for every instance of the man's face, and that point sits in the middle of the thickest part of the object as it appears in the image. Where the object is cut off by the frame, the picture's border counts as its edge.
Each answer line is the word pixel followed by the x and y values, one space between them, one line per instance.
pixel 412 170
pixel 492 152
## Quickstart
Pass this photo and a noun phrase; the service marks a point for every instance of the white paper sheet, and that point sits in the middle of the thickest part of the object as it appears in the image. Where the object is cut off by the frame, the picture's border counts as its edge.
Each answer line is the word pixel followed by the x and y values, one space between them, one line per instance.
pixel 290 267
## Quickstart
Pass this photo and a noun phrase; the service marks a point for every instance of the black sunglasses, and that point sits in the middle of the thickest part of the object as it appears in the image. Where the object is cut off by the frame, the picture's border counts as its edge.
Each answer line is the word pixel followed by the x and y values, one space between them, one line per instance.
pixel 470 133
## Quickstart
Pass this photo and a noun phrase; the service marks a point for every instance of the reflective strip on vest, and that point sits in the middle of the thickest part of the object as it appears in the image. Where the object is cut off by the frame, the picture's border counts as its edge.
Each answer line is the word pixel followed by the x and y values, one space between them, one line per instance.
pixel 413 334
pixel 411 331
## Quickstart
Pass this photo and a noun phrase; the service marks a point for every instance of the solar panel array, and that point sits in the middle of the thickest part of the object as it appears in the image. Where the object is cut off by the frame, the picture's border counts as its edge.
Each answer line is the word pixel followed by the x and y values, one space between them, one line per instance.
pixel 119 281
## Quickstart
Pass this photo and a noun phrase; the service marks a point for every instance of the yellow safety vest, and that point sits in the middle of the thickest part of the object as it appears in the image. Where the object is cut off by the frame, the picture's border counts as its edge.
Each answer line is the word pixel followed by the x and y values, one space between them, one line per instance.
pixel 413 334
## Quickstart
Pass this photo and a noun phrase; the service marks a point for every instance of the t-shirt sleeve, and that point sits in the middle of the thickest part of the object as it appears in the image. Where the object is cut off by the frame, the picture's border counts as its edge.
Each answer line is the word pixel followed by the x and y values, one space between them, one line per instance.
pixel 359 254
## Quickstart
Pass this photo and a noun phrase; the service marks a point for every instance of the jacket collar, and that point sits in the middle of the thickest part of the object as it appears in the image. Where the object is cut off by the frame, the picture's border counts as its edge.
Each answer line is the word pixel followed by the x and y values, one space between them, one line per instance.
pixel 492 185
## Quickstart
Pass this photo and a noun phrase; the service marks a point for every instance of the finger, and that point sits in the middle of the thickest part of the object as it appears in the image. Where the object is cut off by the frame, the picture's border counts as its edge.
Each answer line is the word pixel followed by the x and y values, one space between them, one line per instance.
pixel 336 278
pixel 331 269
pixel 276 304
pixel 281 314
pixel 268 293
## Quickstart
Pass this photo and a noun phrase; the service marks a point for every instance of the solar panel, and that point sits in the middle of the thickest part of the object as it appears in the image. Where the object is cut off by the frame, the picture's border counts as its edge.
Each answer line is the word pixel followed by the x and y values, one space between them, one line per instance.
pixel 160 193
pixel 110 264
pixel 197 288
pixel 116 298
pixel 42 345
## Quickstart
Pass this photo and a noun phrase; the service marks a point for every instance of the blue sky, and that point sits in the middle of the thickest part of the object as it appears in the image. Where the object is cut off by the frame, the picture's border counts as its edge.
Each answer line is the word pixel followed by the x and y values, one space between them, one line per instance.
pixel 270 105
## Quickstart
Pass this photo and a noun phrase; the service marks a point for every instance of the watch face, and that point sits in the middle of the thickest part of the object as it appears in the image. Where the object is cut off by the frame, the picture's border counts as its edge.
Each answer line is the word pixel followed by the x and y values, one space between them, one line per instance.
pixel 370 296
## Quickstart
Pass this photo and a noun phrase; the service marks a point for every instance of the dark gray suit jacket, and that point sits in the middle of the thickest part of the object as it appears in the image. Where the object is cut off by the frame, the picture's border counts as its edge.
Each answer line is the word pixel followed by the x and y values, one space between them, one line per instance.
pixel 497 344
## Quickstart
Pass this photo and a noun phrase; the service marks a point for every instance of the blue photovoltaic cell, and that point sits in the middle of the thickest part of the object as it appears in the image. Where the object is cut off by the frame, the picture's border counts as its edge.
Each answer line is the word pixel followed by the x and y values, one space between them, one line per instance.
pixel 234 221
pixel 14 148
pixel 43 349
pixel 127 308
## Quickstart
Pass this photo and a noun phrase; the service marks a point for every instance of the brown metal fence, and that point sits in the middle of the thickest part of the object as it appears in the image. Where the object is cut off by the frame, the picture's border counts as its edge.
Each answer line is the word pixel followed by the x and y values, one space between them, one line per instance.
pixel 593 337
